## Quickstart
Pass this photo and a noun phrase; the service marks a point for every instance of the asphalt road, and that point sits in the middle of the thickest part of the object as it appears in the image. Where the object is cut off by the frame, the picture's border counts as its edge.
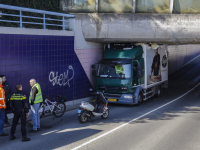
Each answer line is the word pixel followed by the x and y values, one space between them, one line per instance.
pixel 173 126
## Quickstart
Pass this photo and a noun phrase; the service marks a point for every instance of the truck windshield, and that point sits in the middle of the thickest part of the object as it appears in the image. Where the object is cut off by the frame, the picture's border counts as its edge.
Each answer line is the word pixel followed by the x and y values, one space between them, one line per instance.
pixel 114 70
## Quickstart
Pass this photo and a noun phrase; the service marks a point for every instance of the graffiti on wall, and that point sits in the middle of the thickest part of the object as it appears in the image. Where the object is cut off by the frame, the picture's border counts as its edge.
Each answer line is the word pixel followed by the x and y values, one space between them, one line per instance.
pixel 62 79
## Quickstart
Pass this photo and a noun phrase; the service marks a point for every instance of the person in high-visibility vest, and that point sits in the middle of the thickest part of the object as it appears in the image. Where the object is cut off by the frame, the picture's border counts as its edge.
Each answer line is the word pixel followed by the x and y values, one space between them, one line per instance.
pixel 7 90
pixel 35 99
pixel 2 109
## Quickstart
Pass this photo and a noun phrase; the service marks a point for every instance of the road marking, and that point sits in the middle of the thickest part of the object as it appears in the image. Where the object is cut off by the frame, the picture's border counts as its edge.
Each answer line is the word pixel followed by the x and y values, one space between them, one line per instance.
pixel 191 61
pixel 117 128
pixel 49 132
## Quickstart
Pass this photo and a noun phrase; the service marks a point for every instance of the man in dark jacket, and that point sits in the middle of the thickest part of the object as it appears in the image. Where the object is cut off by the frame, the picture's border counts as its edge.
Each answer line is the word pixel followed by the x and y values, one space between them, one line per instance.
pixel 155 67
pixel 7 90
pixel 20 111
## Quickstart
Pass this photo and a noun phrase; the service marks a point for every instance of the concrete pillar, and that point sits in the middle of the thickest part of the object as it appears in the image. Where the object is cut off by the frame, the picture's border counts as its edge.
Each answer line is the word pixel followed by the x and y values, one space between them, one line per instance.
pixel 134 6
pixel 171 6
pixel 72 24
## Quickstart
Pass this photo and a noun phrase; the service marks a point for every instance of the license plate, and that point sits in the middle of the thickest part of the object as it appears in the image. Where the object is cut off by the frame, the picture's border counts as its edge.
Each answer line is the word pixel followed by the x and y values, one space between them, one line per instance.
pixel 111 99
pixel 79 111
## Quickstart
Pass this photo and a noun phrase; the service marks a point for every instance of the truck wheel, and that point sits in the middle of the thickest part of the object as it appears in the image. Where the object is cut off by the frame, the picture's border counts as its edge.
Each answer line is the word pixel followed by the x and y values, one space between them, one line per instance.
pixel 140 99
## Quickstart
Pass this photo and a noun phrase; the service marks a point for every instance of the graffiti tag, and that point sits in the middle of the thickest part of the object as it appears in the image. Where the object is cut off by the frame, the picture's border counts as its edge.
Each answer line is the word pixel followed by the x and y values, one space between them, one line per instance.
pixel 62 79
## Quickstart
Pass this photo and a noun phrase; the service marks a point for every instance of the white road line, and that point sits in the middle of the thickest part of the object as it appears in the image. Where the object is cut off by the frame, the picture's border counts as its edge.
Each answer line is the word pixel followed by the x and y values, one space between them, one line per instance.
pixel 117 128
pixel 191 61
pixel 49 132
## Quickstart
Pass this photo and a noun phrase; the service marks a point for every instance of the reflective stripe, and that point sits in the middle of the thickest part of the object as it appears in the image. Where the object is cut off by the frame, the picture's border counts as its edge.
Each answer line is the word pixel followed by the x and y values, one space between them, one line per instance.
pixel 39 99
pixel 38 95
pixel 17 99
pixel 2 99
pixel 14 97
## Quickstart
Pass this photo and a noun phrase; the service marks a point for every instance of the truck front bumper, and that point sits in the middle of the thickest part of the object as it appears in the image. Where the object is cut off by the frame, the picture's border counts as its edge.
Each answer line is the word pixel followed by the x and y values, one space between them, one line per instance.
pixel 120 98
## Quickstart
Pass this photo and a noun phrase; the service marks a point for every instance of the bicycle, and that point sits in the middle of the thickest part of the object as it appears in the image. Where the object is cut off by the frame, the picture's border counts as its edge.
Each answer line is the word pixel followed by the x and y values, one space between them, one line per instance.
pixel 58 107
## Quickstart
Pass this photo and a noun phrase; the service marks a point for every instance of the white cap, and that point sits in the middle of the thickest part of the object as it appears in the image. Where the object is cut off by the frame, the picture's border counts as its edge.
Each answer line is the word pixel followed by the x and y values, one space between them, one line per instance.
pixel 1 80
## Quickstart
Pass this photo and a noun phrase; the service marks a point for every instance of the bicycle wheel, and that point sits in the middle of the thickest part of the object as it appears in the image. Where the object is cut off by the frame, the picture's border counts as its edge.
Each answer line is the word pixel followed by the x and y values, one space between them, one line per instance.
pixel 59 109
pixel 42 111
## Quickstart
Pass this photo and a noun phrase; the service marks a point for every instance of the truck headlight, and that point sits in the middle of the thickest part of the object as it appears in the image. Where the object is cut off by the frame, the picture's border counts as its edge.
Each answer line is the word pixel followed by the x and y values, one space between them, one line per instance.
pixel 128 96
pixel 122 88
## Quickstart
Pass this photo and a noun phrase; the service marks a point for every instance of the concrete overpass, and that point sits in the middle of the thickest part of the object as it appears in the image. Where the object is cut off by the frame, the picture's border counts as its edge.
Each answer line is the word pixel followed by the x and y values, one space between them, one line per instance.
pixel 160 21
pixel 159 28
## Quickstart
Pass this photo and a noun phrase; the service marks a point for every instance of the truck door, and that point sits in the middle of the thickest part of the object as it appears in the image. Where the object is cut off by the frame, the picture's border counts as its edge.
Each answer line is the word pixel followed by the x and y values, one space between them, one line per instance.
pixel 135 73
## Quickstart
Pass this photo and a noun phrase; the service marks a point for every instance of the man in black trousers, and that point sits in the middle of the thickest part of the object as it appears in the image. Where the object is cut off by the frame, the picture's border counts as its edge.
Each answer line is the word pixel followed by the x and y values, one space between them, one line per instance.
pixel 20 110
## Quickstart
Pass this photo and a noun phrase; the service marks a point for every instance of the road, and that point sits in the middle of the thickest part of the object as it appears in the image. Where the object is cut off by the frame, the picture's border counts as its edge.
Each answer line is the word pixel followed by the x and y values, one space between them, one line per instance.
pixel 169 122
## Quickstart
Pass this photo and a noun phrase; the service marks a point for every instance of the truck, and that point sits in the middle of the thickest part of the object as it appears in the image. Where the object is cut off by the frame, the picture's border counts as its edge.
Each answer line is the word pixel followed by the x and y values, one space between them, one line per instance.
pixel 131 73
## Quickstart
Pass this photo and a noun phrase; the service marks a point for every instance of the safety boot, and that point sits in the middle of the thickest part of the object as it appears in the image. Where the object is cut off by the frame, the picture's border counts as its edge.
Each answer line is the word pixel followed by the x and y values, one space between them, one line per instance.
pixel 24 138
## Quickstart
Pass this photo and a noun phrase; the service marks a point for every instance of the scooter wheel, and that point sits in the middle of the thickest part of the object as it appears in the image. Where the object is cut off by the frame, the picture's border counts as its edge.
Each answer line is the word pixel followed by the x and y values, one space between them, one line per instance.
pixel 82 118
pixel 105 114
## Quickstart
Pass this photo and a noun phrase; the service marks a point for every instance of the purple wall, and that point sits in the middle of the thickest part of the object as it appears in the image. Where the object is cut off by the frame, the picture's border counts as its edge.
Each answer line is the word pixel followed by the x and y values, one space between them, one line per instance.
pixel 51 60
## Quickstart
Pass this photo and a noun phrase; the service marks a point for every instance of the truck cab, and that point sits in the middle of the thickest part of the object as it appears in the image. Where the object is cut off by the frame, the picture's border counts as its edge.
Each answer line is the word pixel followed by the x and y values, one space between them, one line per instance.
pixel 121 74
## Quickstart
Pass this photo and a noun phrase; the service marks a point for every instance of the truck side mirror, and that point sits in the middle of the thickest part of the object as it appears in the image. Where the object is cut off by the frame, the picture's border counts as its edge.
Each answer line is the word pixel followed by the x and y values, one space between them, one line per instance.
pixel 94 73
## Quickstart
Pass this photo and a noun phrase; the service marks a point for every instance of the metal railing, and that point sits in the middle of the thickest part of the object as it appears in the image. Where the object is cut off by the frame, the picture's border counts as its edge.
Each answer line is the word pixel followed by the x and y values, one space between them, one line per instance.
pixel 65 17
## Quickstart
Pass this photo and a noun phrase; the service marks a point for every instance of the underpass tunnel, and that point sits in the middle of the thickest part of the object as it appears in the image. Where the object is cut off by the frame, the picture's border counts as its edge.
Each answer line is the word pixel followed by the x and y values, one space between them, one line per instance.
pixel 61 61
pixel 91 52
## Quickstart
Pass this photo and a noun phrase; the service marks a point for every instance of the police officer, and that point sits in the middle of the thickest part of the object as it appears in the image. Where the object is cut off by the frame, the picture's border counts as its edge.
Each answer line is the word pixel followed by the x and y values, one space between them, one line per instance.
pixel 20 111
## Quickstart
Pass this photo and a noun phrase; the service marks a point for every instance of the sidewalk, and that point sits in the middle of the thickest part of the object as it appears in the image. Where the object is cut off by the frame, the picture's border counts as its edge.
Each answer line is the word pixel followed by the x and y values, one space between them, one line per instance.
pixel 70 105
pixel 48 115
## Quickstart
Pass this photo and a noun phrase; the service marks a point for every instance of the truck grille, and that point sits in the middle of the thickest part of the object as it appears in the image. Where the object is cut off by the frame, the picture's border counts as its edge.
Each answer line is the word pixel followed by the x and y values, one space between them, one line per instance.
pixel 112 95
pixel 112 88
pixel 109 88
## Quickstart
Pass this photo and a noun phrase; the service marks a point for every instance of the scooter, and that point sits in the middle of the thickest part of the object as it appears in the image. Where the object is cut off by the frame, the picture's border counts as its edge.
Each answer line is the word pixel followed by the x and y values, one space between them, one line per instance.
pixel 98 107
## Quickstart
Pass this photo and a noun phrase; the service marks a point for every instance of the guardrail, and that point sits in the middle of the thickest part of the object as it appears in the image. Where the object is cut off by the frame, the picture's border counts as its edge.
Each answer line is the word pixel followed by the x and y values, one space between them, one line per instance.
pixel 65 17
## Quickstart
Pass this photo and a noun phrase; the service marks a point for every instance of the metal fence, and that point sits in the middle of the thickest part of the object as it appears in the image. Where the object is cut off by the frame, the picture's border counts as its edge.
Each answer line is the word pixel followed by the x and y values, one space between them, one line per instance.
pixel 64 22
